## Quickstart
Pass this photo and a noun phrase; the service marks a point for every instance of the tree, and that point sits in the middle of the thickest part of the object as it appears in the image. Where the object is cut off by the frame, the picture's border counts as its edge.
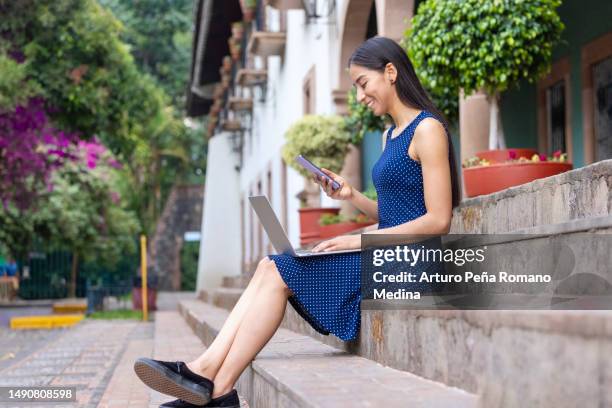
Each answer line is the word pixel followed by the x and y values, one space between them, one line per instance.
pixel 72 50
pixel 159 33
pixel 84 212
pixel 30 150
pixel 482 45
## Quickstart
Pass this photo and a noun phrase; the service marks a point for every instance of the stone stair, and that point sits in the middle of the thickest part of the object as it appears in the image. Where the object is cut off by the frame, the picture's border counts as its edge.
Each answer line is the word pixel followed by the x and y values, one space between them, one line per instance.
pixel 507 357
pixel 497 358
pixel 498 354
pixel 295 370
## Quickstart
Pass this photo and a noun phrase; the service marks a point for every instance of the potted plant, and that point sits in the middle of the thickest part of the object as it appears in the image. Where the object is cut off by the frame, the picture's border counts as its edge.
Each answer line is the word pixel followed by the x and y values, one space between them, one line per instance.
pixel 248 9
pixel 227 63
pixel 310 228
pixel 238 30
pixel 235 51
pixel 486 49
pixel 482 176
pixel 334 225
pixel 323 139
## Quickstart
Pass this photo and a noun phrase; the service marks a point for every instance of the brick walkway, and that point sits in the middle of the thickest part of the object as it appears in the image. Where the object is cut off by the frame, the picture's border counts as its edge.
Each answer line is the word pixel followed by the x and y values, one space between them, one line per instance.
pixel 174 340
pixel 97 357
pixel 84 356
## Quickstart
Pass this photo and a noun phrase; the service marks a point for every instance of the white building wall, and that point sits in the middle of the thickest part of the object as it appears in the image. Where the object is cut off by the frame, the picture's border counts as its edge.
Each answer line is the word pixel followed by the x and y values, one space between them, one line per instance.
pixel 307 45
pixel 220 243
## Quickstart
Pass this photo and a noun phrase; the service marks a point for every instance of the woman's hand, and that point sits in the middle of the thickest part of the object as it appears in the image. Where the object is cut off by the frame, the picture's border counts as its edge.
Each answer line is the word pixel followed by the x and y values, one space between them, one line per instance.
pixel 339 243
pixel 345 191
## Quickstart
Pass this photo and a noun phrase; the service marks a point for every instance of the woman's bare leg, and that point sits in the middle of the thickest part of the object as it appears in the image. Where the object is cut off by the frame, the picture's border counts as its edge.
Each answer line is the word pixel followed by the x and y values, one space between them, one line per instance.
pixel 209 362
pixel 264 315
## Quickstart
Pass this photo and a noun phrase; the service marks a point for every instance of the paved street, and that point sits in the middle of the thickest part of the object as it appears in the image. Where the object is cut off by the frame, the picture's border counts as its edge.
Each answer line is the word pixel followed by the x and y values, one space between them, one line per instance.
pixel 84 356
pixel 16 345
pixel 95 356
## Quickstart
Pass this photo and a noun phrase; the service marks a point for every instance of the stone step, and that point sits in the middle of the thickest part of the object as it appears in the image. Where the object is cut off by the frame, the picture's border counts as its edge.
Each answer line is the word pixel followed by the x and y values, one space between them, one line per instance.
pixel 240 281
pixel 507 357
pixel 581 193
pixel 294 370
pixel 222 297
pixel 498 355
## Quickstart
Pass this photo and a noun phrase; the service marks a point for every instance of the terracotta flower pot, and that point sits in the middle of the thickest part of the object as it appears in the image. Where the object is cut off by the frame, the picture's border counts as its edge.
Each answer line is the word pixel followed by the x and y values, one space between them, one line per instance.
pixel 248 14
pixel 501 155
pixel 227 63
pixel 309 223
pixel 340 228
pixel 496 177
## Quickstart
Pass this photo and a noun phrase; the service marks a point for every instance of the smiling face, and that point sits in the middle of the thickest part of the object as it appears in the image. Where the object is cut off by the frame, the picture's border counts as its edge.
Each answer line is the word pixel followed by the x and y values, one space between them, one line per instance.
pixel 374 89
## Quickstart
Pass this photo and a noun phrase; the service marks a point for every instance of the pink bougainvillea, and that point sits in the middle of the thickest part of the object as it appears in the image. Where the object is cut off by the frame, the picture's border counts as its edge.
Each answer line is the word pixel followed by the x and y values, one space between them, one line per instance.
pixel 29 151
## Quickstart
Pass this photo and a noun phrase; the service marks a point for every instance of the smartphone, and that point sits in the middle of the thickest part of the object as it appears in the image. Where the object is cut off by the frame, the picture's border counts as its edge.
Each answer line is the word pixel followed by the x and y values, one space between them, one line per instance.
pixel 308 165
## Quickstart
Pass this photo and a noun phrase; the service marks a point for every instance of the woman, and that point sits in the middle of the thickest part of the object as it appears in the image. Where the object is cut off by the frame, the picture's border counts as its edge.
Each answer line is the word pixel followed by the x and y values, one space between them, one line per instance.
pixel 416 182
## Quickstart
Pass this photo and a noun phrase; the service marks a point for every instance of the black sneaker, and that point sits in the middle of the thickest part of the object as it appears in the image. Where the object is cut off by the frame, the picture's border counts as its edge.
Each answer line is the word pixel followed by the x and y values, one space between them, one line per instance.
pixel 229 400
pixel 175 379
pixel 179 403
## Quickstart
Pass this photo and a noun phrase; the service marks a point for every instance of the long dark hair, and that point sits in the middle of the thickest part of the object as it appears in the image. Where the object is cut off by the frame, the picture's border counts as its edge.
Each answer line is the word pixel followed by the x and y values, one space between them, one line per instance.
pixel 375 53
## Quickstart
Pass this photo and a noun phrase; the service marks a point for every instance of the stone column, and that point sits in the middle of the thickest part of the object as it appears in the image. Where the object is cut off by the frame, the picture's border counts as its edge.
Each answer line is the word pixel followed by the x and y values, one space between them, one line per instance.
pixel 473 125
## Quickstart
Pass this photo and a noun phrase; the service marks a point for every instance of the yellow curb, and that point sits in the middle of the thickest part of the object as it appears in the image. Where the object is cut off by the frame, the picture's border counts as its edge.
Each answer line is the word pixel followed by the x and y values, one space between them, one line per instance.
pixel 45 322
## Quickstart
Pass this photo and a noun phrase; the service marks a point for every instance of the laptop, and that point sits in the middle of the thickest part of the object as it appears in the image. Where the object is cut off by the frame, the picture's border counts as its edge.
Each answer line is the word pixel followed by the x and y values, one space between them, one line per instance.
pixel 277 234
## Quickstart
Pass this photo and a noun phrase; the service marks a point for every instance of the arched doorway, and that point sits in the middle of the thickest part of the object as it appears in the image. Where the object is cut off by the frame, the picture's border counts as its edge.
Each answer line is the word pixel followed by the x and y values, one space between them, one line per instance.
pixel 360 20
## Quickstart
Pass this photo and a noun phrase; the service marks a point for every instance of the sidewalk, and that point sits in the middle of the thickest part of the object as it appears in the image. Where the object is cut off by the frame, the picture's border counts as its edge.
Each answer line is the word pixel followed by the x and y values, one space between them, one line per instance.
pixel 97 356
pixel 172 340
pixel 84 356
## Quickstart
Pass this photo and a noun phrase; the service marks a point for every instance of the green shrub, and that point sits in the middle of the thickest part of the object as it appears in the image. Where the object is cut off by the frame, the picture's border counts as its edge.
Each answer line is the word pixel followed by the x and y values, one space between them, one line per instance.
pixel 474 44
pixel 324 140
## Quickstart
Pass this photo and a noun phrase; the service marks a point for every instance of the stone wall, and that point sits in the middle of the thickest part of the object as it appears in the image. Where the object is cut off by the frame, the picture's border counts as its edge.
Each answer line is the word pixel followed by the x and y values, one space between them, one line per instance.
pixel 182 213
pixel 582 193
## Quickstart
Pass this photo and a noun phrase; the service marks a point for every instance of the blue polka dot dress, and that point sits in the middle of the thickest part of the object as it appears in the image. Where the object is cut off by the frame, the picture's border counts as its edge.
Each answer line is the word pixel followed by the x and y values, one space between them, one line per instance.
pixel 326 289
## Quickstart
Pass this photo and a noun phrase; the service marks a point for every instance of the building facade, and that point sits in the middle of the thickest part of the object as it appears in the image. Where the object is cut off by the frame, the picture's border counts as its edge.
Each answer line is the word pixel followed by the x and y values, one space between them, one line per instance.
pixel 293 62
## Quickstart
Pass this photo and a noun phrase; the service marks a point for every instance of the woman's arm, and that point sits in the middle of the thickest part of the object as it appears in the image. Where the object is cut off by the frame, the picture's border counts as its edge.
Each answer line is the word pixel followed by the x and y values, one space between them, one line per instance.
pixel 431 145
pixel 368 206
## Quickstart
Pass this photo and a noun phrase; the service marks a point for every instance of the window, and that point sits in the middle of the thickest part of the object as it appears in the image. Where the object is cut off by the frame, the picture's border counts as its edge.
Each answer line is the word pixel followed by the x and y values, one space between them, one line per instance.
pixel 602 93
pixel 309 92
pixel 596 70
pixel 554 110
pixel 555 104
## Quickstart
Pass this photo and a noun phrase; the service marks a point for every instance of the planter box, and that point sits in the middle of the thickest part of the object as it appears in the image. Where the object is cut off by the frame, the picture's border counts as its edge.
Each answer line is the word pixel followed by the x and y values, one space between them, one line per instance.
pixel 310 229
pixel 341 228
pixel 231 125
pixel 240 104
pixel 251 77
pixel 482 180
pixel 267 43
pixel 286 4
